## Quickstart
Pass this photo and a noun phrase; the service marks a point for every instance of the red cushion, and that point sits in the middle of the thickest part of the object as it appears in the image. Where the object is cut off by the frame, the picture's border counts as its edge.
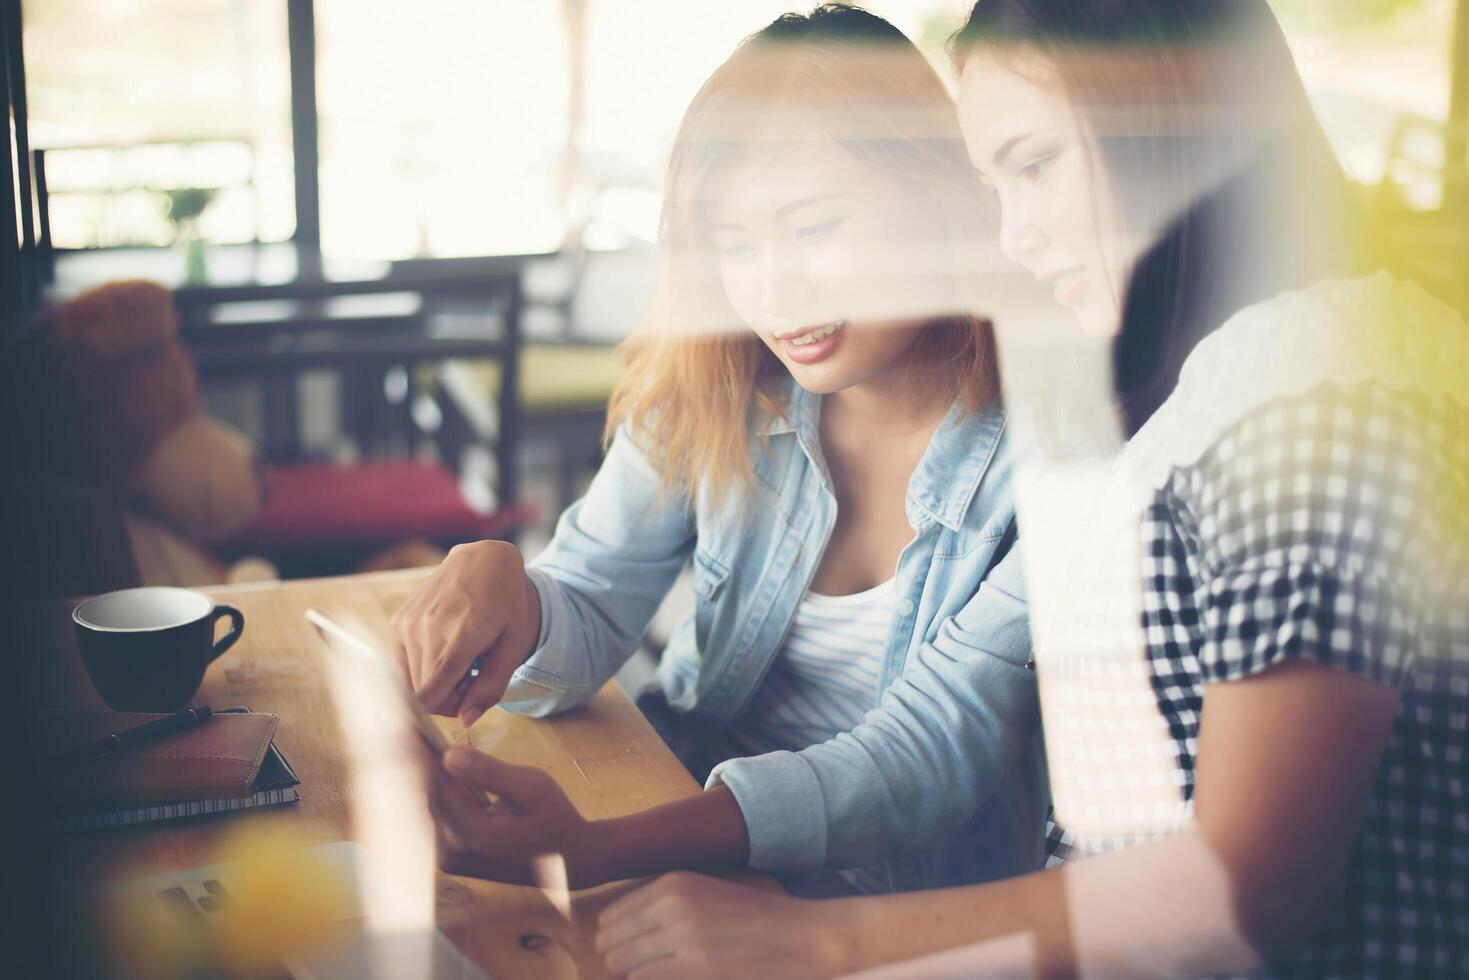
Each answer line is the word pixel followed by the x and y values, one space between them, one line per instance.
pixel 319 505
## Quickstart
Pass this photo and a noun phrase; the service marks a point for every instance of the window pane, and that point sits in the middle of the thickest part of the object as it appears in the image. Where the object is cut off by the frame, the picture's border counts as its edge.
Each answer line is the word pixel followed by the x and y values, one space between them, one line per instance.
pixel 1378 74
pixel 133 99
pixel 644 61
pixel 443 127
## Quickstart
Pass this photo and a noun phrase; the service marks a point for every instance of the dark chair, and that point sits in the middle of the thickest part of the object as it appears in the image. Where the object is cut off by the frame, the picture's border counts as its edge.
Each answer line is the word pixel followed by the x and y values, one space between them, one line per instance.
pixel 323 518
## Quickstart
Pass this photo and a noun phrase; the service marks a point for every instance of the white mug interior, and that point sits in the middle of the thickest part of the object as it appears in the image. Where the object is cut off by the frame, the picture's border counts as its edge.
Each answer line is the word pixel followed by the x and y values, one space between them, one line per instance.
pixel 140 610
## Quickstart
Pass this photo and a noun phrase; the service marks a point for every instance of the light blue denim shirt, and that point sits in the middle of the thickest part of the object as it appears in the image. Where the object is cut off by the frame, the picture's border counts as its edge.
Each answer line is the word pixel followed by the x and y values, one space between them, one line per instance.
pixel 946 772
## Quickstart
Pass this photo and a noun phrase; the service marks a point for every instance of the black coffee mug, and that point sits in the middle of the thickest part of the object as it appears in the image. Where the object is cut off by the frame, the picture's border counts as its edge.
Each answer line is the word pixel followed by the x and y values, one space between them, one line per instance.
pixel 147 649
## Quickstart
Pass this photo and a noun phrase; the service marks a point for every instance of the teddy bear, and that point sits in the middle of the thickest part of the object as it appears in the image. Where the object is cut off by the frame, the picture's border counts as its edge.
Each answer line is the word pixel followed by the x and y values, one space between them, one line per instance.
pixel 142 435
pixel 108 399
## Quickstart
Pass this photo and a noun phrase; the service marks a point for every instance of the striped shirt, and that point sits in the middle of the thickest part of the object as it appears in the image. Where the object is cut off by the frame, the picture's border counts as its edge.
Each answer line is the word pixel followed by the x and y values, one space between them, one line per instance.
pixel 822 683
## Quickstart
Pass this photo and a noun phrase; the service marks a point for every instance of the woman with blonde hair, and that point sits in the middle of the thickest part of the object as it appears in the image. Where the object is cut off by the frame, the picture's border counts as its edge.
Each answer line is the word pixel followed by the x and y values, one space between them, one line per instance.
pixel 807 423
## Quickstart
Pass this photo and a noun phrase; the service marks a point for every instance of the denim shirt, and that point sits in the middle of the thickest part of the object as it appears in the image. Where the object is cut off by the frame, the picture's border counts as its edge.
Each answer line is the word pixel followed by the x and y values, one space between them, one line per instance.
pixel 954 740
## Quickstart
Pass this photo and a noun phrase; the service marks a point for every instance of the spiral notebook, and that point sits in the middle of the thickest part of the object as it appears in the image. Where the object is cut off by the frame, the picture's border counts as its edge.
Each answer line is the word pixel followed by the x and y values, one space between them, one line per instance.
pixel 274 785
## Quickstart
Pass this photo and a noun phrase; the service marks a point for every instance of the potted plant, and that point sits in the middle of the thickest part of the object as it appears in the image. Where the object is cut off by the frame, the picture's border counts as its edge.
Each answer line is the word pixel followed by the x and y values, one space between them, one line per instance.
pixel 185 206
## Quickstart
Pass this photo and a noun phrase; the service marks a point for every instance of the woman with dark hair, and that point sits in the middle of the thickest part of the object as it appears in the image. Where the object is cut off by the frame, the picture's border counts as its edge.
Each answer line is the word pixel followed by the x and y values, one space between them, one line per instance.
pixel 1249 619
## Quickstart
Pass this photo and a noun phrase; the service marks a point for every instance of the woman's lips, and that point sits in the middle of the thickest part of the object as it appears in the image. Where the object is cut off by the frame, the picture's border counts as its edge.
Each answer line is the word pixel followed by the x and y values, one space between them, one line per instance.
pixel 1069 287
pixel 818 350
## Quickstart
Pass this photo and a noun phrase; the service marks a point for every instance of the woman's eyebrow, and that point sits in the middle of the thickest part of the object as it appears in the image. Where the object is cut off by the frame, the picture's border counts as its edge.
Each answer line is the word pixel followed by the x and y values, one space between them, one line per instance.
pixel 1008 146
pixel 783 210
pixel 802 202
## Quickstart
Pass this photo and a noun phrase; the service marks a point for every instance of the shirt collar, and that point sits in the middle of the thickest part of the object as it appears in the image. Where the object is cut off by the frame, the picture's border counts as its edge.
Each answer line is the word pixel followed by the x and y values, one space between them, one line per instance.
pixel 948 474
pixel 954 464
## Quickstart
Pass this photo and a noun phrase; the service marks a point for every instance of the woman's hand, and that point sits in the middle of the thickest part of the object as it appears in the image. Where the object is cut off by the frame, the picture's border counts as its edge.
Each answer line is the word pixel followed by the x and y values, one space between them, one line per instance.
pixel 686 925
pixel 530 818
pixel 478 603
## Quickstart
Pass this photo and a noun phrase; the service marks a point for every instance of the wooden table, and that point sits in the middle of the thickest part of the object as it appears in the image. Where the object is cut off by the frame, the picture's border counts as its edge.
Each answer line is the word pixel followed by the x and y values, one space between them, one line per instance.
pixel 605 755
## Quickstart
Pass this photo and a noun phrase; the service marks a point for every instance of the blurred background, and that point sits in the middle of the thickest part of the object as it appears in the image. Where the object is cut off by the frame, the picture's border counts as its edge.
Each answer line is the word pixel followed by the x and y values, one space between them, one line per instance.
pixel 400 244
pixel 461 129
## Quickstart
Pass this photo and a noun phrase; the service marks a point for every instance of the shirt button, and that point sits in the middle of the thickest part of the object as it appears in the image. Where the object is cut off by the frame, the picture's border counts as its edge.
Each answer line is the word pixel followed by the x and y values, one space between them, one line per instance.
pixel 906 607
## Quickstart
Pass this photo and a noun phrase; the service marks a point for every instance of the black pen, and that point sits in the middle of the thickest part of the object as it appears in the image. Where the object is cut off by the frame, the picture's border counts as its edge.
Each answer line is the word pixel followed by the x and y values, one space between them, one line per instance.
pixel 127 738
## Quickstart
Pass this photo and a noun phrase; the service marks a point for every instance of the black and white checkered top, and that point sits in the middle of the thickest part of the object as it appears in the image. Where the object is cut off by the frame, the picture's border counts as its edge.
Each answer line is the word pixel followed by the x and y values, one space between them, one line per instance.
pixel 1331 526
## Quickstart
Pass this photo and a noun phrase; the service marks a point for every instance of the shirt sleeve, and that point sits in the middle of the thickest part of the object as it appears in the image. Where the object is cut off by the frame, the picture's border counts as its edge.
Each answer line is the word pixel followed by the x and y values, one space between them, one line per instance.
pixel 943 738
pixel 1320 522
pixel 614 556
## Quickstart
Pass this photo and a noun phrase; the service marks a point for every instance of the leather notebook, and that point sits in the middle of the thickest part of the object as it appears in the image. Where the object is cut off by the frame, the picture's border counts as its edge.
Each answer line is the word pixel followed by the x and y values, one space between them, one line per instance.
pixel 218 759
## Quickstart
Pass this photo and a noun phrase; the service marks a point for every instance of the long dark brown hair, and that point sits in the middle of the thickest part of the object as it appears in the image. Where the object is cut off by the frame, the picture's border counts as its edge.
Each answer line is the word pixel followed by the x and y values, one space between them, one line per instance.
pixel 1196 82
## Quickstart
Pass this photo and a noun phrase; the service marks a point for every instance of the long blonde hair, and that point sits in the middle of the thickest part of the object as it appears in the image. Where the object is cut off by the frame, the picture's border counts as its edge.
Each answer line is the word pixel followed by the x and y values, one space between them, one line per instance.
pixel 692 388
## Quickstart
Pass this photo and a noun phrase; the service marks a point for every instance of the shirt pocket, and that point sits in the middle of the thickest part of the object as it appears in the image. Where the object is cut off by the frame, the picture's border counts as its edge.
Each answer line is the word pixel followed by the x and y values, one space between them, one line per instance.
pixel 709 576
pixel 995 620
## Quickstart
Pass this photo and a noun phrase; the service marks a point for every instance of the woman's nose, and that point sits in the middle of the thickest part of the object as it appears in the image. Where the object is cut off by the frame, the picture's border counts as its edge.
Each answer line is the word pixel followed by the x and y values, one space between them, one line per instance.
pixel 787 286
pixel 1020 238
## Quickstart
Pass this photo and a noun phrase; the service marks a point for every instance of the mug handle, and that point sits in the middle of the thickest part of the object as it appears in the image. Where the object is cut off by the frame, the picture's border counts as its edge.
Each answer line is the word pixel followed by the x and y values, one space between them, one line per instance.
pixel 237 626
